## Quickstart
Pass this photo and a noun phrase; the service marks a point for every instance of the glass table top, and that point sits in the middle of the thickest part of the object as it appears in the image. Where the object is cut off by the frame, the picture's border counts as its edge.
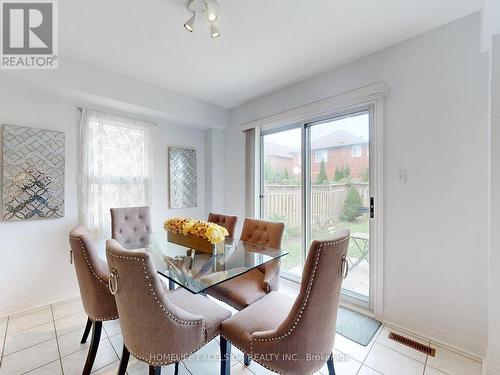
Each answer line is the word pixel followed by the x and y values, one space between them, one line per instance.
pixel 197 271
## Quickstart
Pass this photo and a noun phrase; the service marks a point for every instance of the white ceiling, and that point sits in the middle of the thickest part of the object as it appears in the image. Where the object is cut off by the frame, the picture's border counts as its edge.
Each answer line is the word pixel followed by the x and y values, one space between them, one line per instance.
pixel 265 44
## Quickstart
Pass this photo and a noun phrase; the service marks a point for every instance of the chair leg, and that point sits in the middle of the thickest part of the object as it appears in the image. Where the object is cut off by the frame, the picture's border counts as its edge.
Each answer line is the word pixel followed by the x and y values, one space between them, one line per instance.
pixel 94 344
pixel 154 370
pixel 331 368
pixel 176 371
pixel 87 331
pixel 246 359
pixel 124 361
pixel 225 356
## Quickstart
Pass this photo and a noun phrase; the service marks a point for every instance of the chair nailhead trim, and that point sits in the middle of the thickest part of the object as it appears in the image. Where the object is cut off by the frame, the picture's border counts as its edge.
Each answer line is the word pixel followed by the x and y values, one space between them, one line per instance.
pixel 90 266
pixel 163 307
pixel 169 314
pixel 296 321
pixel 103 282
pixel 101 319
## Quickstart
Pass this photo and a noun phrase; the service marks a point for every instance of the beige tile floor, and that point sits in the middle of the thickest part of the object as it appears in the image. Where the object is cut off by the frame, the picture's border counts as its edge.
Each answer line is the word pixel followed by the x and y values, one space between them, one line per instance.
pixel 47 342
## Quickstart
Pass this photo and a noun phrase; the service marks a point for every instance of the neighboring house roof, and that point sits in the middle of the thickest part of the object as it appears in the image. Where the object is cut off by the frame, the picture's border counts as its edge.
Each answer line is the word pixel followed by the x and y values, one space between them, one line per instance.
pixel 337 138
pixel 282 151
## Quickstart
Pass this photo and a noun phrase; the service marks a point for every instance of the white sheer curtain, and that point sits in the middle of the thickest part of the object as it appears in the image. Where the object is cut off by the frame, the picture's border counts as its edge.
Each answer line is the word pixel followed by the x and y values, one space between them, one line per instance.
pixel 115 167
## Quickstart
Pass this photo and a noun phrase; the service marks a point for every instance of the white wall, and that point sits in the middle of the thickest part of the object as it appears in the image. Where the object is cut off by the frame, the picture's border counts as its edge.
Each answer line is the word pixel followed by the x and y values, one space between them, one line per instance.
pixel 214 160
pixel 34 267
pixel 493 360
pixel 99 86
pixel 436 128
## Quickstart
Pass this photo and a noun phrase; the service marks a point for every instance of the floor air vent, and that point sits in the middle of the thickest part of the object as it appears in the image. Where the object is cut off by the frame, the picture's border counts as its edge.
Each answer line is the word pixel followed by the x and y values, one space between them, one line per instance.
pixel 412 344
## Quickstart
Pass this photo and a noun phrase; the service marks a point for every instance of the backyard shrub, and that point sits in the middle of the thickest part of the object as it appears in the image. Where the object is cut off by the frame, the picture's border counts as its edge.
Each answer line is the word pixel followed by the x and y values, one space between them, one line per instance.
pixel 278 177
pixel 322 176
pixel 352 205
pixel 342 174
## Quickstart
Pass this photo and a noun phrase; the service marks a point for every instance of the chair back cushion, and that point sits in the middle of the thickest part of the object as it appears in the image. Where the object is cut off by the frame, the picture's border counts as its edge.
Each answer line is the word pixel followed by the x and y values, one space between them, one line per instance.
pixel 309 330
pixel 92 274
pixel 228 222
pixel 267 233
pixel 153 328
pixel 262 232
pixel 131 226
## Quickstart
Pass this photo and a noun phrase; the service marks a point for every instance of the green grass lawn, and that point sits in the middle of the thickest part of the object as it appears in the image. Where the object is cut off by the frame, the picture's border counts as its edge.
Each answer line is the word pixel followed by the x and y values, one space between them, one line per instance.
pixel 293 244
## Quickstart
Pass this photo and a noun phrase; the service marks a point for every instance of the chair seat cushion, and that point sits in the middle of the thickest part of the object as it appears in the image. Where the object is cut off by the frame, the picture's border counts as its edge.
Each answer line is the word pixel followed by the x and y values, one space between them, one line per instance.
pixel 241 291
pixel 212 313
pixel 264 315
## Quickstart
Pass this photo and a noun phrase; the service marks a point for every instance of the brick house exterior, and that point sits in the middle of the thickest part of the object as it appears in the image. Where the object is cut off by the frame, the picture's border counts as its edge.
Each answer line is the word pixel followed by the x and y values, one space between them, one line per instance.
pixel 353 156
pixel 339 149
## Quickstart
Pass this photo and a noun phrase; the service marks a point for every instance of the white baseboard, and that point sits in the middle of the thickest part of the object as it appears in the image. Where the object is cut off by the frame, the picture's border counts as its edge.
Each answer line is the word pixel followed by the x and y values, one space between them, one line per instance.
pixel 33 304
pixel 449 340
pixel 489 369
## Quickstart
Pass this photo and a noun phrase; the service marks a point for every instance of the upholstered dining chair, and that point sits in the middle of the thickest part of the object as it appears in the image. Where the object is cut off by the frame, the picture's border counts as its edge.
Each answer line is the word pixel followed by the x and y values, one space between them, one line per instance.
pixel 226 221
pixel 248 288
pixel 93 277
pixel 296 337
pixel 131 226
pixel 159 326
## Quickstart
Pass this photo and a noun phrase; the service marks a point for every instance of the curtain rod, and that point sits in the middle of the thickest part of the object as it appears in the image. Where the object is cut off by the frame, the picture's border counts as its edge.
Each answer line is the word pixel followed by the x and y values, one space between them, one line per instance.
pixel 116 114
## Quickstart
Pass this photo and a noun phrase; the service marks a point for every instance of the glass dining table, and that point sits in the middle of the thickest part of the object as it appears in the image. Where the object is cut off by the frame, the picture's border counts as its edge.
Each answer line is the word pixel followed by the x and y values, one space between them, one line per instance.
pixel 198 271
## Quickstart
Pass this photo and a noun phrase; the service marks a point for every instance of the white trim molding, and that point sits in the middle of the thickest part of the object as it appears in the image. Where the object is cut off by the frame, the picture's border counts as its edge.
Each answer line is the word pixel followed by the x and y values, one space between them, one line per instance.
pixel 34 304
pixel 446 339
pixel 322 108
pixel 368 98
pixel 377 226
pixel 490 14
pixel 490 369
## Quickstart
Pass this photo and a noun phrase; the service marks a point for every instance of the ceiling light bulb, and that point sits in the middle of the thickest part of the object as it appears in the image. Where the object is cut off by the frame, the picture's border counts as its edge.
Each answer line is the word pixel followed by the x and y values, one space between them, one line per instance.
pixel 212 10
pixel 214 32
pixel 189 25
pixel 212 17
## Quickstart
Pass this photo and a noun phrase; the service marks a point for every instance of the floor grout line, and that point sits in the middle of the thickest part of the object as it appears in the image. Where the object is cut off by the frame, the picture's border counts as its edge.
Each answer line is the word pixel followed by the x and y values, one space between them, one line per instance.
pixel 406 355
pixel 57 340
pixel 114 349
pixel 9 321
pixel 4 340
pixel 30 346
pixel 39 367
pixel 426 359
pixel 25 329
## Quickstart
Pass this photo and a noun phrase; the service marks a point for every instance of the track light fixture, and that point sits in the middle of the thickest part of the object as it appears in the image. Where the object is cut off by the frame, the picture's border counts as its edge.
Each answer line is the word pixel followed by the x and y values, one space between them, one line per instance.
pixel 190 23
pixel 214 31
pixel 210 8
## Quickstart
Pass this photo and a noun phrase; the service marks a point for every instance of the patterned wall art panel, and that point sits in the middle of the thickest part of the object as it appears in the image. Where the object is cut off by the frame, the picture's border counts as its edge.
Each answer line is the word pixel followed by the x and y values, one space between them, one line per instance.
pixel 182 178
pixel 33 173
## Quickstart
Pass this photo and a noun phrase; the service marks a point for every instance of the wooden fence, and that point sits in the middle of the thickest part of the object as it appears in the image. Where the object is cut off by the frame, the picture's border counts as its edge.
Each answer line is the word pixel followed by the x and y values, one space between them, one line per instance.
pixel 327 202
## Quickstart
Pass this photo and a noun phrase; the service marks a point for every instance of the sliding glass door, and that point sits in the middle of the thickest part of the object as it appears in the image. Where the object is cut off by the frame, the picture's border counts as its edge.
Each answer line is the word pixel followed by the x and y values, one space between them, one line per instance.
pixel 282 190
pixel 315 177
pixel 339 193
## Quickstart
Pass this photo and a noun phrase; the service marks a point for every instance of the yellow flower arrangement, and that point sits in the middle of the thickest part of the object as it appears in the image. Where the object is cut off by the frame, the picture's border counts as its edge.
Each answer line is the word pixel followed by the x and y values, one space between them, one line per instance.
pixel 212 232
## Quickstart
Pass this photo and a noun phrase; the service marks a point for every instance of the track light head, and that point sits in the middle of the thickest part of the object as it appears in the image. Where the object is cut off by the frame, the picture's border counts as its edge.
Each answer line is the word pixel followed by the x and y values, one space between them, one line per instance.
pixel 209 9
pixel 214 31
pixel 189 25
pixel 212 10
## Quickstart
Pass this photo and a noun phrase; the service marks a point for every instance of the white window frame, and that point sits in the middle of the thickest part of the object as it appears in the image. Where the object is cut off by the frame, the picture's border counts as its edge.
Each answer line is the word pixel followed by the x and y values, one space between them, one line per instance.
pixel 356 151
pixel 98 223
pixel 372 97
